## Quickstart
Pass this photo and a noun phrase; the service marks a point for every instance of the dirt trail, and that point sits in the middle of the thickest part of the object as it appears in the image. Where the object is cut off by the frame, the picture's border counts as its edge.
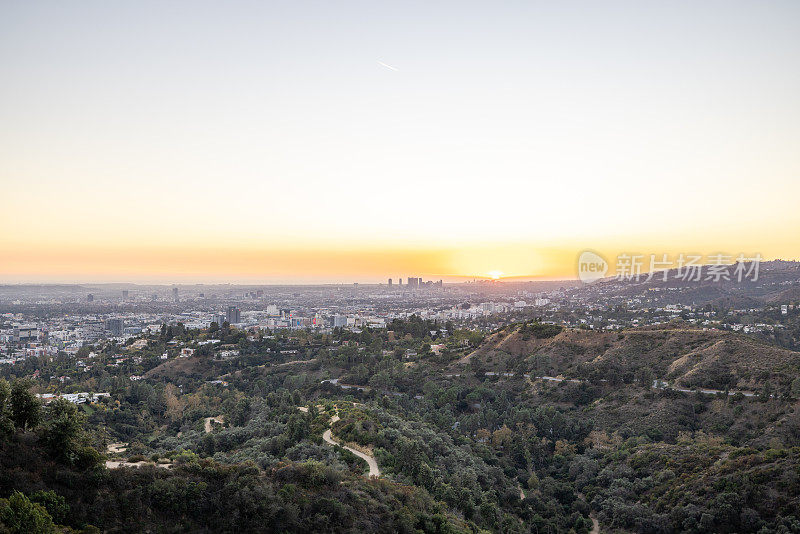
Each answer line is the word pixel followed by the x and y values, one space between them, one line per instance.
pixel 293 362
pixel 207 422
pixel 374 471
pixel 595 525
pixel 114 464
pixel 269 365
pixel 468 357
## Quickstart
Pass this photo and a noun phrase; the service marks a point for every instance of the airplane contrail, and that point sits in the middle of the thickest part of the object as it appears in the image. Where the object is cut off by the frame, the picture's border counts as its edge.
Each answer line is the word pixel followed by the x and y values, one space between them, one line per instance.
pixel 387 66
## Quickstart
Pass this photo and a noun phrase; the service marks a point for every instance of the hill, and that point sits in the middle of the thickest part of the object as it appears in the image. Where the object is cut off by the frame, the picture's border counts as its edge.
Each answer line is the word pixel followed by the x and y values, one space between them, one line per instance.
pixel 199 367
pixel 776 282
pixel 680 354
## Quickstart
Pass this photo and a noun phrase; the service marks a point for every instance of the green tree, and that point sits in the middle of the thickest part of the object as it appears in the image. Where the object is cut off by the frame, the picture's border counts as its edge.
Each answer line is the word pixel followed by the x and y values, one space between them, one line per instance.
pixel 54 503
pixel 241 412
pixel 299 427
pixel 21 516
pixel 62 428
pixel 25 407
pixel 6 425
pixel 5 395
pixel 796 388
pixel 645 377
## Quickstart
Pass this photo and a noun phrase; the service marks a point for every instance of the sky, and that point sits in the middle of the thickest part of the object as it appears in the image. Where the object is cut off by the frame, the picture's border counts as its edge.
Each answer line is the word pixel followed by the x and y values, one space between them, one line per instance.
pixel 191 141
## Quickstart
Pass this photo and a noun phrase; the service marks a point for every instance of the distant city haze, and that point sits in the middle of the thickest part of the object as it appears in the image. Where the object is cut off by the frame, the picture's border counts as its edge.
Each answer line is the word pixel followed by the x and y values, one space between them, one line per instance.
pixel 308 142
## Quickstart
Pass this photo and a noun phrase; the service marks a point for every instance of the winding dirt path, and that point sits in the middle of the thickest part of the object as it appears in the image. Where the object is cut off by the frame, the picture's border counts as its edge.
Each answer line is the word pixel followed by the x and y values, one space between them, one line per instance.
pixel 117 448
pixel 207 422
pixel 374 471
pixel 114 464
pixel 293 362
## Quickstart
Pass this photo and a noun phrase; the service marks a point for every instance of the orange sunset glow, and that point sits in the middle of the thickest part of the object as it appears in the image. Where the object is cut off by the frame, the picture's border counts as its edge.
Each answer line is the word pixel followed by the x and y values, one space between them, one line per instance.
pixel 226 159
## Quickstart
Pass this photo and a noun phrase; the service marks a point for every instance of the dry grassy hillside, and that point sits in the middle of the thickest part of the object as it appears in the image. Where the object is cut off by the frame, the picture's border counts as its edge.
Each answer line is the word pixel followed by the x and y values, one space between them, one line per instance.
pixel 681 354
pixel 196 367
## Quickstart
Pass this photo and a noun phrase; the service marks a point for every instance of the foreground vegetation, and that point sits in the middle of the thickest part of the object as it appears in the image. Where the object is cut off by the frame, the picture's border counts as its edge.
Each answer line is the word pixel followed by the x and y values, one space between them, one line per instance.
pixel 466 435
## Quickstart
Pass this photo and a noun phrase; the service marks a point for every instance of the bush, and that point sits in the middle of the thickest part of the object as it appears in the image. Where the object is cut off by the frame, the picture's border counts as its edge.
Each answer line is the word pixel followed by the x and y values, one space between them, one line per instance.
pixel 19 515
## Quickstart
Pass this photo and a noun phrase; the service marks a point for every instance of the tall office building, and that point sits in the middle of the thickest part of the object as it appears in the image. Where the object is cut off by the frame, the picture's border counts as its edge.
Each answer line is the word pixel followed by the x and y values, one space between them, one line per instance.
pixel 124 294
pixel 25 333
pixel 175 294
pixel 233 315
pixel 390 281
pixel 89 297
pixel 115 327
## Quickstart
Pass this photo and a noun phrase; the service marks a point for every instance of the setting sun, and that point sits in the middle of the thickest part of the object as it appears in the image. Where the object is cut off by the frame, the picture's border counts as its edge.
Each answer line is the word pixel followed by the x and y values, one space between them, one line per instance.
pixel 495 274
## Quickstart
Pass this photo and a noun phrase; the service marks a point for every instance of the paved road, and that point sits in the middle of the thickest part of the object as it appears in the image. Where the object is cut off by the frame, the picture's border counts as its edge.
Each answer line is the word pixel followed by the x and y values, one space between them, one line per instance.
pixel 374 471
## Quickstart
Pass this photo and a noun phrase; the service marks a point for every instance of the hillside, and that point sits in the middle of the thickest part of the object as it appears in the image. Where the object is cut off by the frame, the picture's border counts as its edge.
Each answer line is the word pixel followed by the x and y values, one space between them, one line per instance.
pixel 56 481
pixel 776 282
pixel 202 496
pixel 533 428
pixel 682 355
pixel 177 368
